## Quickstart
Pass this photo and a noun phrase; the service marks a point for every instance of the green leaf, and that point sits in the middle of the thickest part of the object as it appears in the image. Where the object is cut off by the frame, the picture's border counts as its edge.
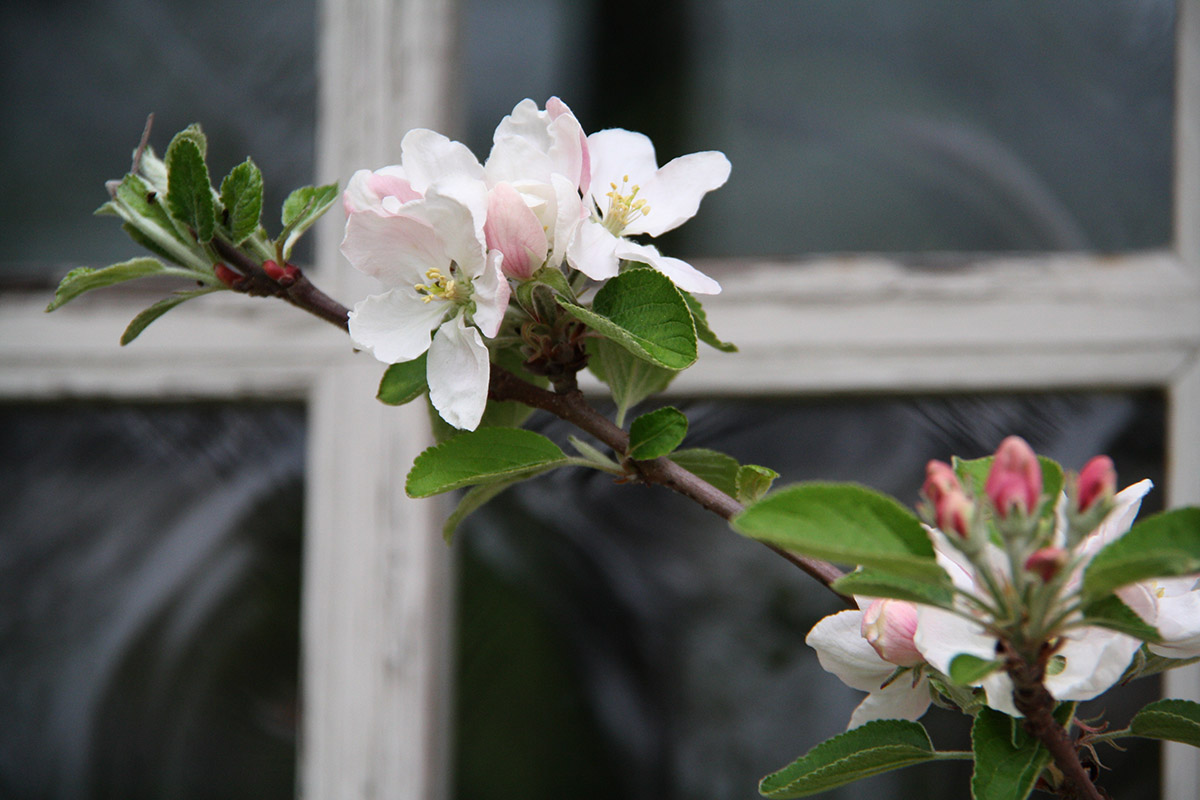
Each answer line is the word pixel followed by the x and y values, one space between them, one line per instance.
pixel 969 670
pixel 710 465
pixel 487 455
pixel 150 225
pixel 189 190
pixel 301 209
pixel 1165 545
pixel 192 133
pixel 874 583
pixel 642 311
pixel 847 524
pixel 1109 612
pixel 472 499
pixel 142 320
pixel 753 482
pixel 657 433
pixel 84 279
pixel 703 332
pixel 1008 761
pixel 402 383
pixel 1173 720
pixel 242 196
pixel 973 474
pixel 867 750
pixel 630 379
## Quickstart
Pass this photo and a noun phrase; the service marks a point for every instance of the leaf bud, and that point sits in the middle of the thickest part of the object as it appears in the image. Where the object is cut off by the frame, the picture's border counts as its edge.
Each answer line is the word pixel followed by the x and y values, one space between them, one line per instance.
pixel 888 626
pixel 273 270
pixel 1015 479
pixel 227 276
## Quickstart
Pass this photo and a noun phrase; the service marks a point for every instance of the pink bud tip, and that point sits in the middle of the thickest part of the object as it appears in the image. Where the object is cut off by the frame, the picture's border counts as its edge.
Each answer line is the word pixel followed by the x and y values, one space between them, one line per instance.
pixel 1015 479
pixel 940 481
pixel 273 270
pixel 888 626
pixel 226 276
pixel 1097 481
pixel 1046 562
pixel 954 513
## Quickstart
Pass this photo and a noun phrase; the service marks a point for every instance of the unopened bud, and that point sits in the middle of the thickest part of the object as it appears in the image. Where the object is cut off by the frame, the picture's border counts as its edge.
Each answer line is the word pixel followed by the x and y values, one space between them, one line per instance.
pixel 226 276
pixel 1046 562
pixel 273 270
pixel 954 513
pixel 1097 483
pixel 888 626
pixel 940 480
pixel 1015 479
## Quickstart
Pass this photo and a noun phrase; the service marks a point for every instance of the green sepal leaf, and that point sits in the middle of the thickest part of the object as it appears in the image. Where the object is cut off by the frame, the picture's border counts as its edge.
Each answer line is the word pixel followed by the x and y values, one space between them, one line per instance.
pixel 846 524
pixel 1110 612
pixel 242 196
pixel 301 209
pixel 657 433
pixel 1172 720
pixel 874 583
pixel 556 280
pixel 486 455
pixel 703 332
pixel 189 189
pixel 973 474
pixel 712 466
pixel 1165 545
pixel 84 279
pixel 402 383
pixel 969 670
pixel 642 311
pixel 472 500
pixel 630 379
pixel 753 482
pixel 867 750
pixel 142 320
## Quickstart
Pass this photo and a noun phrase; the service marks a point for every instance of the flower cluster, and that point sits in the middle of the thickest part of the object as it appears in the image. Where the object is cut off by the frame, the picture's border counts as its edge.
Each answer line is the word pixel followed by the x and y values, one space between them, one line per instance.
pixel 445 235
pixel 1016 558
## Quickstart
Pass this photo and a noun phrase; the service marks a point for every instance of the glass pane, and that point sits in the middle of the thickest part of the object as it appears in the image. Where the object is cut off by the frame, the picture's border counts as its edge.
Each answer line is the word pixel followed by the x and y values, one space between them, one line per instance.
pixel 149 600
pixel 868 124
pixel 620 640
pixel 79 79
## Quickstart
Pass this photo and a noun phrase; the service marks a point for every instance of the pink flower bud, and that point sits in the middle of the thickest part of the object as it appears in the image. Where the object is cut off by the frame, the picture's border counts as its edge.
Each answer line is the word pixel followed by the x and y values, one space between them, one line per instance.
pixel 888 626
pixel 273 270
pixel 1046 562
pixel 940 480
pixel 954 513
pixel 1097 482
pixel 1015 480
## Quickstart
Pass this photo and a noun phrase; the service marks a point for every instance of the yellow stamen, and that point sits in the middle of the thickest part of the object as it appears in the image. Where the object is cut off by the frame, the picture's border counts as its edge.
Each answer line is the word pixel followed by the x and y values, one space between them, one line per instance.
pixel 623 206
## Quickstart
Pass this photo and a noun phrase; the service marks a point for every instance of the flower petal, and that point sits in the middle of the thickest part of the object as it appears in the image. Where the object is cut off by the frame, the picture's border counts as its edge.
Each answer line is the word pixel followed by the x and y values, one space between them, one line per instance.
pixel 514 230
pixel 395 326
pixel 1095 659
pixel 616 153
pixel 491 295
pixel 842 650
pixel 396 249
pixel 898 700
pixel 429 156
pixel 592 251
pixel 681 273
pixel 457 372
pixel 675 191
pixel 942 635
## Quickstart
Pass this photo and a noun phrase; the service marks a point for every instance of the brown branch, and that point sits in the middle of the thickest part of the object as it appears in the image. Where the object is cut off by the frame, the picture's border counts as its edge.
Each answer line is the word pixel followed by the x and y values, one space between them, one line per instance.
pixel 297 289
pixel 1035 702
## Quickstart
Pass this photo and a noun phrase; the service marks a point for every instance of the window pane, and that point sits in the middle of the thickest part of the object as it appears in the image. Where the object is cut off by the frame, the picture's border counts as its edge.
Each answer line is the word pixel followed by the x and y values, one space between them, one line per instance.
pixel 149 600
pixel 624 639
pixel 79 79
pixel 868 124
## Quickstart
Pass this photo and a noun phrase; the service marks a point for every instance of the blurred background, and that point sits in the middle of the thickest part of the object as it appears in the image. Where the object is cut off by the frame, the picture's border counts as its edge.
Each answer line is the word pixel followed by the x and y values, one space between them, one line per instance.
pixel 613 639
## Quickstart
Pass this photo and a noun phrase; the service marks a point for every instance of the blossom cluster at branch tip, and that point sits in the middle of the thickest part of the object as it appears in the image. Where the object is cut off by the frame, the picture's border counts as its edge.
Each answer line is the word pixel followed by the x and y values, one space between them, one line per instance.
pixel 992 569
pixel 445 234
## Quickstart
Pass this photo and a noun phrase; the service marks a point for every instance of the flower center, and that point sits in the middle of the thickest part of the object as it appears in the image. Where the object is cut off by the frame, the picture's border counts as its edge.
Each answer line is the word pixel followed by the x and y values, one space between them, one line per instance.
pixel 444 287
pixel 624 206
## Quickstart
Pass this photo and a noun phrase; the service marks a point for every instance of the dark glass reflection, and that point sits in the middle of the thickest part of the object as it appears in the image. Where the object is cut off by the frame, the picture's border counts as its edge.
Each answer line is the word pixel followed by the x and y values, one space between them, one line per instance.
pixel 867 125
pixel 149 601
pixel 79 78
pixel 621 641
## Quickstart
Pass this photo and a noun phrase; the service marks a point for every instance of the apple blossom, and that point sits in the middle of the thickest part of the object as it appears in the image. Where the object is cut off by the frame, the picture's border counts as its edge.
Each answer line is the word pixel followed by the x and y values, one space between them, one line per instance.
pixel 629 194
pixel 430 256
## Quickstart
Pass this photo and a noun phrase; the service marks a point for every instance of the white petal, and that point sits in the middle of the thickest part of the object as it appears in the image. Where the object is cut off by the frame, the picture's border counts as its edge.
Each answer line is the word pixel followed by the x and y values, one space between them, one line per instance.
pixel 941 636
pixel 428 156
pixel 457 372
pixel 491 295
pixel 1178 618
pixel 616 154
pixel 675 191
pixel 457 226
pixel 1095 660
pixel 397 249
pixel 681 273
pixel 898 700
pixel 395 326
pixel 842 650
pixel 592 251
pixel 998 688
pixel 1127 503
pixel 568 216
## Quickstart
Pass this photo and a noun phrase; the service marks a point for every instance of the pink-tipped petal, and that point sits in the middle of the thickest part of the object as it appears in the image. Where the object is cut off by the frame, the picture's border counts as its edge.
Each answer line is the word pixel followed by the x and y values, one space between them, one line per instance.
pixel 514 230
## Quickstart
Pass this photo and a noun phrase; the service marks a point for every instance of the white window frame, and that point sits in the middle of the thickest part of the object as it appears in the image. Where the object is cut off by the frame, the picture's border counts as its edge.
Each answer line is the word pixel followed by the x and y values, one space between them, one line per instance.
pixel 377 583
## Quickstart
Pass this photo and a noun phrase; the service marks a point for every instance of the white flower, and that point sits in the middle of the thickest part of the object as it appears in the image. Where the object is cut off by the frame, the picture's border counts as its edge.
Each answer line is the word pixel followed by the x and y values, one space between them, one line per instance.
pixel 629 194
pixel 1172 605
pixel 430 255
pixel 426 158
pixel 843 650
